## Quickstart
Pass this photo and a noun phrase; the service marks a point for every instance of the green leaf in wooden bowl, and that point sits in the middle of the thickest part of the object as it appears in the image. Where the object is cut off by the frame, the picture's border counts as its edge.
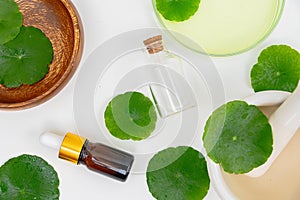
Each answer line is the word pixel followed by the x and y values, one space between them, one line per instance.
pixel 25 59
pixel 11 20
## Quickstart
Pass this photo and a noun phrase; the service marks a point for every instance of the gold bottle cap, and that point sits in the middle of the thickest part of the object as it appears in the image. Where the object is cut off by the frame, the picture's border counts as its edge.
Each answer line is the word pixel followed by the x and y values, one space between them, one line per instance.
pixel 71 147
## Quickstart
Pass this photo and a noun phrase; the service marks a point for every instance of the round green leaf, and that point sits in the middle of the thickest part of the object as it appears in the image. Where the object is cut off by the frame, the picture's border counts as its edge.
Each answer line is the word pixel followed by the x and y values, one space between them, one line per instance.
pixel 11 20
pixel 177 10
pixel 278 68
pixel 238 136
pixel 178 173
pixel 25 59
pixel 130 116
pixel 28 177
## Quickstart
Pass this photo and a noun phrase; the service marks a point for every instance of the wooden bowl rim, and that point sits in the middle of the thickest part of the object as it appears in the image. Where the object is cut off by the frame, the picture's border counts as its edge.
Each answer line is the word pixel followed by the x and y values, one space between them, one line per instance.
pixel 68 74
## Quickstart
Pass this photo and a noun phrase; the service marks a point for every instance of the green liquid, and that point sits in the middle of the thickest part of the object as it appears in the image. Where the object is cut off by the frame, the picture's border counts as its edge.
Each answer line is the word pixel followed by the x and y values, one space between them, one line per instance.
pixel 225 27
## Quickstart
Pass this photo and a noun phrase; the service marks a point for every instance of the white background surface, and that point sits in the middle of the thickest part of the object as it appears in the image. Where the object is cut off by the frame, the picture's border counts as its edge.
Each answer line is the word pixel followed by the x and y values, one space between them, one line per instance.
pixel 103 19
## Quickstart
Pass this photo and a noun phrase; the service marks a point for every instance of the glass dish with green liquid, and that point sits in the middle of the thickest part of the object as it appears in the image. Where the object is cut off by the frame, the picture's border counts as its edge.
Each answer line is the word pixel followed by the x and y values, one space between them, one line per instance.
pixel 226 27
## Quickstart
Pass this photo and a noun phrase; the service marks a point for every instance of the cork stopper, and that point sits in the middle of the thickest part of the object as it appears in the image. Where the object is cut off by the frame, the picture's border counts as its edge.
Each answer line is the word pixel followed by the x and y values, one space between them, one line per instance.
pixel 154 44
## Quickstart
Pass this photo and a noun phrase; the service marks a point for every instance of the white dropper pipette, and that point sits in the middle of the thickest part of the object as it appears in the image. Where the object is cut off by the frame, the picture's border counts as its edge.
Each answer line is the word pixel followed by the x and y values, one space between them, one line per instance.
pixel 285 121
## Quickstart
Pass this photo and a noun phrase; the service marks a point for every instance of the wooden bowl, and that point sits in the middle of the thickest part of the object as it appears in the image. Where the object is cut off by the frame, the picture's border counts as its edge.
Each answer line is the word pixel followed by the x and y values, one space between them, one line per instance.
pixel 59 20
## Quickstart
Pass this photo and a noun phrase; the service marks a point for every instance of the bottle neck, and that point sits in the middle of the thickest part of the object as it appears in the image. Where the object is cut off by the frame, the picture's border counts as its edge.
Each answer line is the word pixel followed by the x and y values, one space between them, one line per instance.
pixel 83 153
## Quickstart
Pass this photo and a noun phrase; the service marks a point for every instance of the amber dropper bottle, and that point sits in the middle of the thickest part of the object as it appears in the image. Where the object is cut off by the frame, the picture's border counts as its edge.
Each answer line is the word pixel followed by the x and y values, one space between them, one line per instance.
pixel 97 157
